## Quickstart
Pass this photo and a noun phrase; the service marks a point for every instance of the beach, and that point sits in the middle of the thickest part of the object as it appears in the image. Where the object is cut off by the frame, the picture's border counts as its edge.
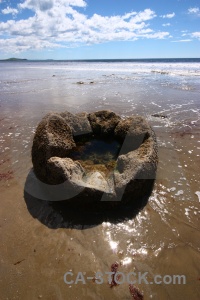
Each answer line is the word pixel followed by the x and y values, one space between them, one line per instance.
pixel 38 244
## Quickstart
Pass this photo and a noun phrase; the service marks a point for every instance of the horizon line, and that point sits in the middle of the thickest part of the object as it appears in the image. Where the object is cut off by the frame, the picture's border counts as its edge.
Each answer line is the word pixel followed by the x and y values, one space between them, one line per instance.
pixel 96 59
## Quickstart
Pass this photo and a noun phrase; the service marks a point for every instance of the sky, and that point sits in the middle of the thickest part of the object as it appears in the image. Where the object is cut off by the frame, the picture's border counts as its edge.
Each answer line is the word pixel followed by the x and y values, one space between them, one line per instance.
pixel 99 29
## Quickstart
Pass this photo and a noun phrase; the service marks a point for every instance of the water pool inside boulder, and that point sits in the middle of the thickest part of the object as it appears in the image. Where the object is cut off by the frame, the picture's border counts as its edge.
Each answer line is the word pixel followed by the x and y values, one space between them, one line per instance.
pixel 96 153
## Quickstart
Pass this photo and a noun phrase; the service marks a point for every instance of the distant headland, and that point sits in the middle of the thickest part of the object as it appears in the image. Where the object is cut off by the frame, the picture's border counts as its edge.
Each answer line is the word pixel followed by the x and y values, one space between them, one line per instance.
pixel 13 59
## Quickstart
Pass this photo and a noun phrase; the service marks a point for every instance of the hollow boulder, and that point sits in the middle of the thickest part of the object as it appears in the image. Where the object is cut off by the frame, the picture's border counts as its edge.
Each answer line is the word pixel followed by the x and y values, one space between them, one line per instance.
pixel 134 170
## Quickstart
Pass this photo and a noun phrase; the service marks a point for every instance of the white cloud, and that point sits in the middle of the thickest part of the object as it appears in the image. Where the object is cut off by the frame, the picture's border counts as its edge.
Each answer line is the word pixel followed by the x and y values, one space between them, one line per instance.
pixel 48 4
pixel 182 41
pixel 194 10
pixel 166 24
pixel 158 35
pixel 127 16
pixel 193 35
pixel 9 10
pixel 20 44
pixel 168 16
pixel 196 34
pixel 57 23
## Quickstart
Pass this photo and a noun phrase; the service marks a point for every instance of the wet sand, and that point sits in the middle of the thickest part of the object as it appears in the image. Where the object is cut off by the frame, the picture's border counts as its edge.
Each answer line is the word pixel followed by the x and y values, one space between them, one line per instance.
pixel 39 244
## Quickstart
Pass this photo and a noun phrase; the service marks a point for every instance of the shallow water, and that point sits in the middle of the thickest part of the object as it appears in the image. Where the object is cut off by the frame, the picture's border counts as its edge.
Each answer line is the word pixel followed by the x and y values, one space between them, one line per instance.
pixel 96 150
pixel 39 245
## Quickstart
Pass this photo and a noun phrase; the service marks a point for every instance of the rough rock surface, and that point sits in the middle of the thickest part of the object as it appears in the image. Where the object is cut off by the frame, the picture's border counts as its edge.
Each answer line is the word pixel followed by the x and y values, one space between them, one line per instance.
pixel 79 123
pixel 103 122
pixel 136 165
pixel 53 137
pixel 132 132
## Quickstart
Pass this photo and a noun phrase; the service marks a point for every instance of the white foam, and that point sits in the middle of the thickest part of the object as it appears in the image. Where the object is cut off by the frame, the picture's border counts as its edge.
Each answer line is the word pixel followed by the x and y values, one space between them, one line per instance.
pixel 163 69
pixel 198 195
pixel 171 189
pixel 180 192
pixel 187 210
pixel 126 261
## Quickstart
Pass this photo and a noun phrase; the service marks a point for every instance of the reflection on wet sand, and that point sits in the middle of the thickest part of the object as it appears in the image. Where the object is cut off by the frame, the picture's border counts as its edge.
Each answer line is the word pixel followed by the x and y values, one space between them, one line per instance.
pixel 62 214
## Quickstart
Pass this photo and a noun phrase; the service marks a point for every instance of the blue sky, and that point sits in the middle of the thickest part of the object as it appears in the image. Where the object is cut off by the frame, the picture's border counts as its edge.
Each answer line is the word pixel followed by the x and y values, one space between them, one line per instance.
pixel 93 29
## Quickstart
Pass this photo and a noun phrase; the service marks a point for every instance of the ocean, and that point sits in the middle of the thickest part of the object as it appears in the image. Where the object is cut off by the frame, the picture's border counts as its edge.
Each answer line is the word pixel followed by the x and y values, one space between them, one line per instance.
pixel 39 245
